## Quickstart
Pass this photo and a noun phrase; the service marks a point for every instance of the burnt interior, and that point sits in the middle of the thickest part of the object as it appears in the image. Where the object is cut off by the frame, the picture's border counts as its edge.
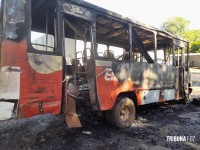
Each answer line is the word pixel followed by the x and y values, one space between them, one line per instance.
pixel 147 38
pixel 76 28
pixel 111 32
pixel 116 33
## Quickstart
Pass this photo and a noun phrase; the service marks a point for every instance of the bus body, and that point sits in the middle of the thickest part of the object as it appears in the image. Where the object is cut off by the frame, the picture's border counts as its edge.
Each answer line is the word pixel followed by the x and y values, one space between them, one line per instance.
pixel 85 49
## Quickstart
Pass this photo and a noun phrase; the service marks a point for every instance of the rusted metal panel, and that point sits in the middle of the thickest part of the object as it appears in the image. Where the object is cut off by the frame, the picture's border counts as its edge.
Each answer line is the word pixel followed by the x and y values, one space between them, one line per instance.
pixel 10 83
pixel 71 116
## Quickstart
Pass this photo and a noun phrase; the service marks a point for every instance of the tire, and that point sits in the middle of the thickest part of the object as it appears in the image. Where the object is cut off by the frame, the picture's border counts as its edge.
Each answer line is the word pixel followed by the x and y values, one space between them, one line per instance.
pixel 123 113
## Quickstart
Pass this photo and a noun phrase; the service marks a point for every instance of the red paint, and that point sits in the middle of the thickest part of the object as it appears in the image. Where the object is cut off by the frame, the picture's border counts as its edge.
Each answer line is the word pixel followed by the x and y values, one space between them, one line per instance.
pixel 34 87
pixel 139 97
pixel 109 90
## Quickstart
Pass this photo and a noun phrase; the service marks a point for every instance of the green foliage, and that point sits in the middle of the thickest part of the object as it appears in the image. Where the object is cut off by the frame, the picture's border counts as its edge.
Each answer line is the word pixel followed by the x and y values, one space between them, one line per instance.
pixel 195 47
pixel 180 27
pixel 176 25
pixel 192 35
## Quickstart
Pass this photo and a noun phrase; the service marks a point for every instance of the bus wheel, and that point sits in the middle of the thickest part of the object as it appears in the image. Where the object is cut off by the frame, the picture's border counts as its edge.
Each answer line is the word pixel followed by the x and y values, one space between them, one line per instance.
pixel 123 113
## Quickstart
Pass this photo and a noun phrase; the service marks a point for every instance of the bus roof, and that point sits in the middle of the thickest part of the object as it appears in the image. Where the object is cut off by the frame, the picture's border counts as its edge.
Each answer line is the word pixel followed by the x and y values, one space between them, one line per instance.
pixel 178 41
pixel 144 31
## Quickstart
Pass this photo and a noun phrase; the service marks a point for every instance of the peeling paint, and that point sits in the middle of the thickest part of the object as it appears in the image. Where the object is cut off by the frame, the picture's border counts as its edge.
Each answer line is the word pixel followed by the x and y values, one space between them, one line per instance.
pixel 45 63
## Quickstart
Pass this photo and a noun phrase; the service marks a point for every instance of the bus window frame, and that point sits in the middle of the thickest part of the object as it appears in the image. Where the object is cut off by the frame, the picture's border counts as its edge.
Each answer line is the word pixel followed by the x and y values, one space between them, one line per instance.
pixel 92 41
pixel 129 39
pixel 56 51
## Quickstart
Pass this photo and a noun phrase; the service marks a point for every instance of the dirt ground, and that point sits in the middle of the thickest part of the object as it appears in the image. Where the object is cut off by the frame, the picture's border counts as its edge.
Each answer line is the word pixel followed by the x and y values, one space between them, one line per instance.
pixel 149 131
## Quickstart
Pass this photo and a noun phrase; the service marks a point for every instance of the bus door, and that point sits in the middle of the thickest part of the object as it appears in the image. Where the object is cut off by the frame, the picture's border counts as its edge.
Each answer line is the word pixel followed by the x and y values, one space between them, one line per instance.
pixel 79 58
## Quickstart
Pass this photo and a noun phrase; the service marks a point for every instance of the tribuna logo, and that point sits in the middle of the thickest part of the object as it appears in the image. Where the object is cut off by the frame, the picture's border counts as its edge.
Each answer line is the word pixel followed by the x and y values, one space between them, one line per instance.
pixel 181 138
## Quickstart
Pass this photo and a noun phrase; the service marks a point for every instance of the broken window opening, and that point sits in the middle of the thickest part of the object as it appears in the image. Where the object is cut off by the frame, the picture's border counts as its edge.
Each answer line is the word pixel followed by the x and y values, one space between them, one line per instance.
pixel 112 37
pixel 43 29
pixel 77 44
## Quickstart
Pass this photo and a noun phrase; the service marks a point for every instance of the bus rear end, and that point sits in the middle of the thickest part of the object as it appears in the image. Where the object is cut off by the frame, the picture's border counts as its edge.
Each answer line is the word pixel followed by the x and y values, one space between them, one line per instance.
pixel 30 78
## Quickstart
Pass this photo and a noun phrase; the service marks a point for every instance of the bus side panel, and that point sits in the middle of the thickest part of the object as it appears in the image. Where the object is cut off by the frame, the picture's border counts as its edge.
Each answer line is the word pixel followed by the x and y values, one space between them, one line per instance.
pixel 150 82
pixel 40 87
pixel 108 86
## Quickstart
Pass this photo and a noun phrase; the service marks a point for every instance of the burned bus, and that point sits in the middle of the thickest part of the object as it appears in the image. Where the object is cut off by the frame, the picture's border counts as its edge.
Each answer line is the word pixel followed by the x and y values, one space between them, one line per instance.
pixel 53 52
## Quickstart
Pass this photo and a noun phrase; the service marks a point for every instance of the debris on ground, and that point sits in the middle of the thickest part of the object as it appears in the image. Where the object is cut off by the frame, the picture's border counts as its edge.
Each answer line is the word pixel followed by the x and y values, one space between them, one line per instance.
pixel 149 131
pixel 87 132
pixel 196 101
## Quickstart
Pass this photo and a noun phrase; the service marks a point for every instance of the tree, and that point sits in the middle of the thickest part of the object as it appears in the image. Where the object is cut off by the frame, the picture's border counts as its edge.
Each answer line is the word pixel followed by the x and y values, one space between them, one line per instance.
pixel 180 27
pixel 176 26
pixel 192 35
pixel 195 47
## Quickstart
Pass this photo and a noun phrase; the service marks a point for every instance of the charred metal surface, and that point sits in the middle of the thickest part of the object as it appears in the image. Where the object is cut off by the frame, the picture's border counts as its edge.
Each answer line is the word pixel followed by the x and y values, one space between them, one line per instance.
pixel 15 25
pixel 92 93
pixel 179 43
pixel 92 84
pixel 80 27
pixel 111 32
pixel 150 82
pixel 149 76
pixel 141 47
pixel 78 11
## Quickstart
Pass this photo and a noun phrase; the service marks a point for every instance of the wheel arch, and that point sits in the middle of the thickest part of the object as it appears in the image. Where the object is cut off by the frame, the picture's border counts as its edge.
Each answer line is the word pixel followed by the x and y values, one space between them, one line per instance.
pixel 129 94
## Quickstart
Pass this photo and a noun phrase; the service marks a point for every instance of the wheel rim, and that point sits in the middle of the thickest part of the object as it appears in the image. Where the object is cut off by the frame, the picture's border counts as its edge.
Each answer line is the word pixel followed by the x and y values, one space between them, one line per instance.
pixel 124 113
